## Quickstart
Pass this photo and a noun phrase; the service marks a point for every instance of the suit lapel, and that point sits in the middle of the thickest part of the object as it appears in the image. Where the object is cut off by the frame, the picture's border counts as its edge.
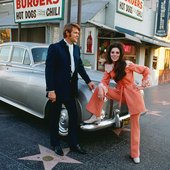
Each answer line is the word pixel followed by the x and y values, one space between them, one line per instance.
pixel 75 52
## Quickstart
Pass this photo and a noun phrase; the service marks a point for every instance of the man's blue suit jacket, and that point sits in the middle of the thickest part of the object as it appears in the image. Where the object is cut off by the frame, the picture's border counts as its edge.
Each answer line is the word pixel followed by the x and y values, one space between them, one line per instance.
pixel 58 70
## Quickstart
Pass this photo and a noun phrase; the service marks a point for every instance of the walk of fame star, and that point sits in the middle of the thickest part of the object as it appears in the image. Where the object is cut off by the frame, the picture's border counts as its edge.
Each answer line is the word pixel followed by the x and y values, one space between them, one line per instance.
pixel 154 112
pixel 164 102
pixel 49 158
pixel 119 130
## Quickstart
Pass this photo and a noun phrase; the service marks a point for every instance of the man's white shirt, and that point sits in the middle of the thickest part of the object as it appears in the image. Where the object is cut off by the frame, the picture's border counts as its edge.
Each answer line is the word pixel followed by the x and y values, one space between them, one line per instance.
pixel 70 47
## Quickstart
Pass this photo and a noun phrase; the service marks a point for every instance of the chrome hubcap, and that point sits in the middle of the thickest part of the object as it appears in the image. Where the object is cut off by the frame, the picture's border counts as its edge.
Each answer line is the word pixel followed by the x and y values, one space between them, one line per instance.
pixel 63 122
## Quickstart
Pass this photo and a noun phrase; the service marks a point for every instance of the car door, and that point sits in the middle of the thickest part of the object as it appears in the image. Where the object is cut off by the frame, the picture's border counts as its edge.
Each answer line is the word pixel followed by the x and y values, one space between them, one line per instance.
pixel 17 75
pixel 5 51
pixel 36 89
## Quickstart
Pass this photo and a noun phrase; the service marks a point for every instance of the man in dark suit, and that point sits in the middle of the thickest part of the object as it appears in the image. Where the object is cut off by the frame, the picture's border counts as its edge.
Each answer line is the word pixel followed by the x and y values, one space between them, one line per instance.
pixel 62 67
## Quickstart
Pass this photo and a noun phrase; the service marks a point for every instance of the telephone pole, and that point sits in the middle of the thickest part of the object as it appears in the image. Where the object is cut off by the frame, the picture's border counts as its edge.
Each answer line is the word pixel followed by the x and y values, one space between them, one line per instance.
pixel 69 11
pixel 79 12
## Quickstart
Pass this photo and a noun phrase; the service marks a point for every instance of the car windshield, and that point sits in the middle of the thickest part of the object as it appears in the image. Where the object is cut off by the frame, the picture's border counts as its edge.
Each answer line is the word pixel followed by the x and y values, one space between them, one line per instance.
pixel 39 54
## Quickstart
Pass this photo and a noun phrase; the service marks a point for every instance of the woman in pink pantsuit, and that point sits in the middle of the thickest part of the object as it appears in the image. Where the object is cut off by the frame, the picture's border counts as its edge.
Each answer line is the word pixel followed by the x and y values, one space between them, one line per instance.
pixel 126 91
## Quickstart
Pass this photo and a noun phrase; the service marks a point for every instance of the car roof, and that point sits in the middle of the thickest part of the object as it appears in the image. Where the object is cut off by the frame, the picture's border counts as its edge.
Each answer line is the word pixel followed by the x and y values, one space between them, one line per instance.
pixel 26 44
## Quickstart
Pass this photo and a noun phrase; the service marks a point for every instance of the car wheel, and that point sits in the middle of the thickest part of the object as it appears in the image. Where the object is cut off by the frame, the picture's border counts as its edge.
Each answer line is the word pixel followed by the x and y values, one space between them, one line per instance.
pixel 64 118
pixel 63 122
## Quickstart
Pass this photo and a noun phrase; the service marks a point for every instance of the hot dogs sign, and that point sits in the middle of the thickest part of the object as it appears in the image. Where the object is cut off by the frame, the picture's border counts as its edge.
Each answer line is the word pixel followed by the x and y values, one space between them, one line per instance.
pixel 132 8
pixel 33 10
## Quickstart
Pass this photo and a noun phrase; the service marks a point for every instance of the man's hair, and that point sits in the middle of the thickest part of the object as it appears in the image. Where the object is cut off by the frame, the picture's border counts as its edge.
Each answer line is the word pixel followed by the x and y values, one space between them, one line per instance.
pixel 68 27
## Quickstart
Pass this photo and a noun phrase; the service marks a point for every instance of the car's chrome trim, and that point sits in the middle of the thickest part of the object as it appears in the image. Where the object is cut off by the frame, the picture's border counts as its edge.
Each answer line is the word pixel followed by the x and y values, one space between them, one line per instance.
pixel 103 124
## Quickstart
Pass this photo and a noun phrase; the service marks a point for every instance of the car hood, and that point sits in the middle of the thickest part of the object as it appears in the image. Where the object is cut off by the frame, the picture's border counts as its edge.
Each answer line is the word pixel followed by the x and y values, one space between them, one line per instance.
pixel 94 75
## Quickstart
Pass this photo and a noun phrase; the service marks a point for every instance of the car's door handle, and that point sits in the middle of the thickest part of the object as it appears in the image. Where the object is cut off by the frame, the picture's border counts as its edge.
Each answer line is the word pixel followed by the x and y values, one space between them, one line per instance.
pixel 8 65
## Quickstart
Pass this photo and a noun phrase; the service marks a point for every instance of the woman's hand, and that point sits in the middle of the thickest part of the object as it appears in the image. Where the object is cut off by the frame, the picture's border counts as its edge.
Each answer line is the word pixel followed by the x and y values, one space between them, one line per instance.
pixel 101 93
pixel 146 83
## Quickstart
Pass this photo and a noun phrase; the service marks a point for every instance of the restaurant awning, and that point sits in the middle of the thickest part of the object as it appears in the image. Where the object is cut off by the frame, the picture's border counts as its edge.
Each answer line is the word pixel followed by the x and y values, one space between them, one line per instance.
pixel 144 38
pixel 123 35
pixel 152 40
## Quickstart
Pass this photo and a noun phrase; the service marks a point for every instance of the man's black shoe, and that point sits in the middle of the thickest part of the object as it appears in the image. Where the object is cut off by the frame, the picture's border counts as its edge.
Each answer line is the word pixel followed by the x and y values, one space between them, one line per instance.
pixel 58 150
pixel 78 149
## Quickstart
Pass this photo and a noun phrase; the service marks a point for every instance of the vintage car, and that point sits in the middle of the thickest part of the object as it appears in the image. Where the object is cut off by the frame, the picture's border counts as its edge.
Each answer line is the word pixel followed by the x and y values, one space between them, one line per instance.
pixel 22 84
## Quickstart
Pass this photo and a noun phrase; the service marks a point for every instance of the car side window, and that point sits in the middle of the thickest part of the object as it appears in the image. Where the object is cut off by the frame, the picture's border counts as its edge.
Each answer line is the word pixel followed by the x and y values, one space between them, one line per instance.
pixel 4 53
pixel 17 55
pixel 39 54
pixel 27 60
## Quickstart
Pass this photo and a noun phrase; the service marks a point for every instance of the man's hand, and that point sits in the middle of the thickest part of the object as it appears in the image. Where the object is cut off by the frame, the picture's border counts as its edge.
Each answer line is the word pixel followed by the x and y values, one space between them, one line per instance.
pixel 52 96
pixel 91 85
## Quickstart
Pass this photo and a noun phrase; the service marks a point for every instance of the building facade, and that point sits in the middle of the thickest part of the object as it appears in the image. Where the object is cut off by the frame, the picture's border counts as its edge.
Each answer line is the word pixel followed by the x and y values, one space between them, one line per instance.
pixel 108 22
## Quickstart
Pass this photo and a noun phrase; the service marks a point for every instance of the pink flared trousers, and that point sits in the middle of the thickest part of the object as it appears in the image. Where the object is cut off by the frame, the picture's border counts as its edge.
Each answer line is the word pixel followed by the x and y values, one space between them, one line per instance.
pixel 95 107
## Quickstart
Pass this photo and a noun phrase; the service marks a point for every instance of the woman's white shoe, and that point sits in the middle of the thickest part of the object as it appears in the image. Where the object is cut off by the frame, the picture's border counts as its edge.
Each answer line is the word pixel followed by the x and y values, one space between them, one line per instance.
pixel 136 160
pixel 93 119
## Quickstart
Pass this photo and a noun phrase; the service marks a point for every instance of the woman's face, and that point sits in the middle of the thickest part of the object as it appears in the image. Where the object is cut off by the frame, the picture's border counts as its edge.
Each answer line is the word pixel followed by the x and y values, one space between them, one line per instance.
pixel 115 54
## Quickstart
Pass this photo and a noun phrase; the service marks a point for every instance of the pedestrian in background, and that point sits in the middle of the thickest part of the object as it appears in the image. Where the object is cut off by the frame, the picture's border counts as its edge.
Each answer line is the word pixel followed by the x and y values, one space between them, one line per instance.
pixel 62 67
pixel 126 91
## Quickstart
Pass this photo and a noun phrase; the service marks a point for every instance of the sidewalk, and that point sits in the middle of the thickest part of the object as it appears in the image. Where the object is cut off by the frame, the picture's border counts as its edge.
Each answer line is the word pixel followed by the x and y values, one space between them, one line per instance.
pixel 24 141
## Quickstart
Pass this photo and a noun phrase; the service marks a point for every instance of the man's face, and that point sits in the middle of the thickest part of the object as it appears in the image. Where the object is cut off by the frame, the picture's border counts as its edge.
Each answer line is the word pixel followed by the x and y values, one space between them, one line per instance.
pixel 74 35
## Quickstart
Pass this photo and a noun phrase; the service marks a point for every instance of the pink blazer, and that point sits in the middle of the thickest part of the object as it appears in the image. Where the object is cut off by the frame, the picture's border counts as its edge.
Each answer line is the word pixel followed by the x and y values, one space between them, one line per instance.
pixel 126 87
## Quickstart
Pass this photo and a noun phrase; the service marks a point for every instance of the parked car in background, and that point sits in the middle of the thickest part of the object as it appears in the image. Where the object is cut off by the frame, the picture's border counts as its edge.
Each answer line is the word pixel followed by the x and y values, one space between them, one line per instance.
pixel 22 84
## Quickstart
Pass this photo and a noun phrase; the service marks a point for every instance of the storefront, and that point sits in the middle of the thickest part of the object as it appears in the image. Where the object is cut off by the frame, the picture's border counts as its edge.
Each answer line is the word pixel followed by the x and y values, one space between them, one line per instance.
pixel 164 74
pixel 104 37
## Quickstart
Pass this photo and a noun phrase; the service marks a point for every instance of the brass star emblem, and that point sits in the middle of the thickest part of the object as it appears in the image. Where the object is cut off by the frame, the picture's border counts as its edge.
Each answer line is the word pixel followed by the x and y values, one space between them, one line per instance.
pixel 49 158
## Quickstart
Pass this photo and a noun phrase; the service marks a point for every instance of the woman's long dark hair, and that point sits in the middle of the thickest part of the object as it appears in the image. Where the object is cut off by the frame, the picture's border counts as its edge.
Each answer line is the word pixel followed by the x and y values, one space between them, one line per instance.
pixel 120 64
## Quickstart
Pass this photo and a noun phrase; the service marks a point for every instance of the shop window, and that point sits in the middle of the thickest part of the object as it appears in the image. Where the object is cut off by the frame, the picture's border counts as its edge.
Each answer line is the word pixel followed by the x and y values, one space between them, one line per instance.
pixel 154 63
pixel 130 52
pixel 102 54
pixel 4 35
pixel 147 57
pixel 30 34
pixel 167 60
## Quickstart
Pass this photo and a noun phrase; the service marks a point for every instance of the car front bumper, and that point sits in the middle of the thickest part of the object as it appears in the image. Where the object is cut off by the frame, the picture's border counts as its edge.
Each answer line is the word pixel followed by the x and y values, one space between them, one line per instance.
pixel 103 124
